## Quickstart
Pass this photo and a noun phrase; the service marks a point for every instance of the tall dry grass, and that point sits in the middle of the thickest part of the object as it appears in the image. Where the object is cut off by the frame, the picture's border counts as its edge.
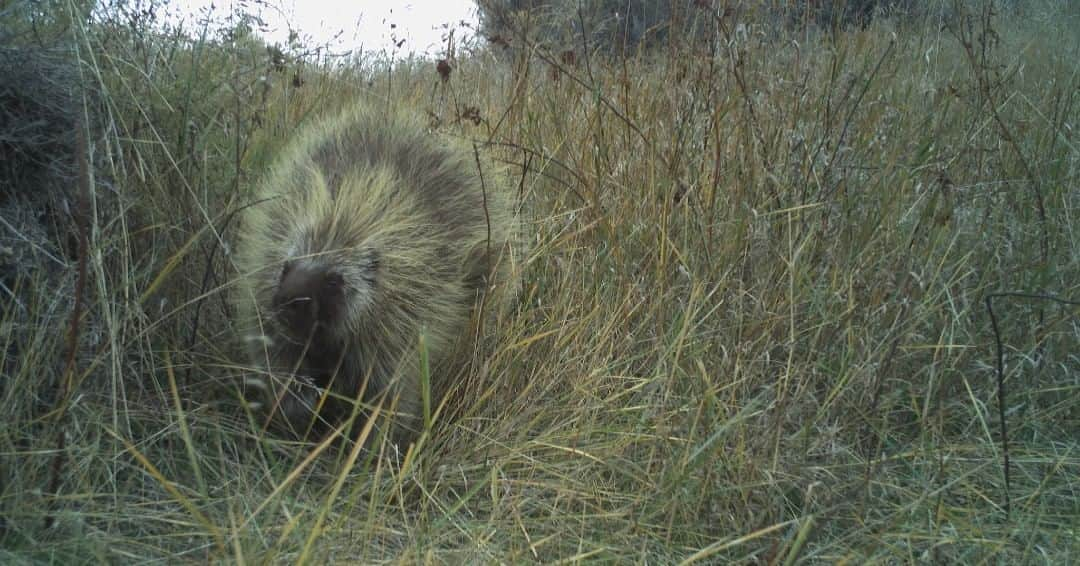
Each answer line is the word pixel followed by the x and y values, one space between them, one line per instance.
pixel 753 325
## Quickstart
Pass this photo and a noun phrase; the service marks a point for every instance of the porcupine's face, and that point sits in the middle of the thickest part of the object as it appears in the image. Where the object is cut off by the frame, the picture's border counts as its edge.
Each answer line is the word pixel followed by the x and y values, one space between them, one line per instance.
pixel 322 297
pixel 315 302
pixel 309 299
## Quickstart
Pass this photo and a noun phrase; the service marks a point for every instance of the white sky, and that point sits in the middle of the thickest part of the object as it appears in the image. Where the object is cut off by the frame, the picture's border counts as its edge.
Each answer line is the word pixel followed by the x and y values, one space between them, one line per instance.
pixel 362 23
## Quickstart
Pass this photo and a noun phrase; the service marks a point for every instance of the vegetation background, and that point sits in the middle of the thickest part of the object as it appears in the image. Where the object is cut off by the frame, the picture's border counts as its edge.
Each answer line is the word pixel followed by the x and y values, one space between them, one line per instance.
pixel 756 324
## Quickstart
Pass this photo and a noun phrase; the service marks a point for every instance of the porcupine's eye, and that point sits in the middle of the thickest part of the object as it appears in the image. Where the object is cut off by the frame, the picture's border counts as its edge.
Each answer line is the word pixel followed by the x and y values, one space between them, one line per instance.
pixel 285 269
pixel 331 298
pixel 334 282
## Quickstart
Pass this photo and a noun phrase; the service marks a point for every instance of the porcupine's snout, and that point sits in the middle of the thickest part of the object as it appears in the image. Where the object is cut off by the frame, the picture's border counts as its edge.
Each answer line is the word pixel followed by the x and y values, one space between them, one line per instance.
pixel 308 297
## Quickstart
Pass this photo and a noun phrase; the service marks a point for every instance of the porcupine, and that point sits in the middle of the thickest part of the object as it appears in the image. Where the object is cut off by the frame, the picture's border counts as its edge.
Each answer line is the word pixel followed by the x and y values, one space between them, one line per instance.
pixel 368 232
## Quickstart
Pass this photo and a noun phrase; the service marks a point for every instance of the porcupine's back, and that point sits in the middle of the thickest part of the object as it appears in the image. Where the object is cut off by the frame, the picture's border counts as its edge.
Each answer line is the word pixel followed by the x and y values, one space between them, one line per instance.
pixel 401 217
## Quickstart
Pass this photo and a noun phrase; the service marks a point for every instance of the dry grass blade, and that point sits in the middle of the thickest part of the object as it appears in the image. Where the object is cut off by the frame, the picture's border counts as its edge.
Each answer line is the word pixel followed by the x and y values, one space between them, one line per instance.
pixel 170 487
pixel 761 317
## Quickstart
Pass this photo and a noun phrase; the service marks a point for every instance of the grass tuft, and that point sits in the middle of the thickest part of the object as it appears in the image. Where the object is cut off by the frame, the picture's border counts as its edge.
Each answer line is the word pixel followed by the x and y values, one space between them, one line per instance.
pixel 752 324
